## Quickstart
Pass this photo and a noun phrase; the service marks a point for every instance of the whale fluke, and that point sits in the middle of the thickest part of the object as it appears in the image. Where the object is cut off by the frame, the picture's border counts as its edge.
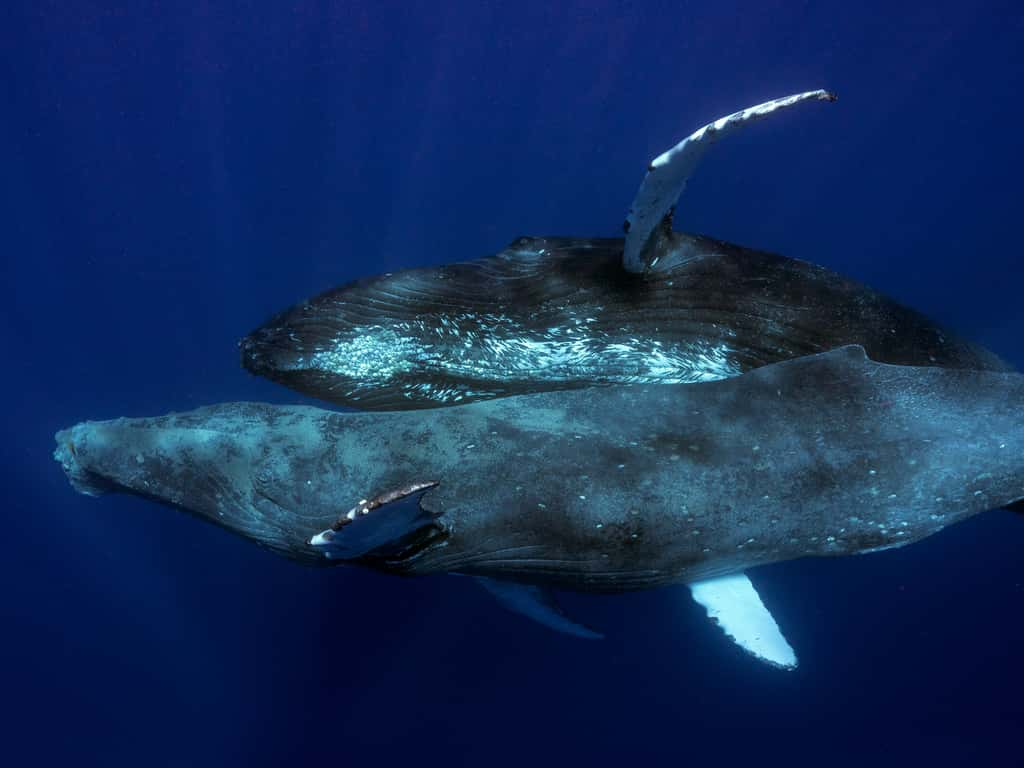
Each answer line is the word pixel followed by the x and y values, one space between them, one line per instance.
pixel 650 215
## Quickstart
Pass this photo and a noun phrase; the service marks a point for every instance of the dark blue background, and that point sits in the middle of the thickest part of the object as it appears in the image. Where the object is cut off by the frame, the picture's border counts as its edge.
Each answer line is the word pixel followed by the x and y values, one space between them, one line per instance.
pixel 170 177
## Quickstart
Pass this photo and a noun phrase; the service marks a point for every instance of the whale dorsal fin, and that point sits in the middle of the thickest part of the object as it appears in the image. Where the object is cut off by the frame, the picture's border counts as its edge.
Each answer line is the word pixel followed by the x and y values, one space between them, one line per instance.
pixel 373 523
pixel 538 604
pixel 650 215
pixel 733 603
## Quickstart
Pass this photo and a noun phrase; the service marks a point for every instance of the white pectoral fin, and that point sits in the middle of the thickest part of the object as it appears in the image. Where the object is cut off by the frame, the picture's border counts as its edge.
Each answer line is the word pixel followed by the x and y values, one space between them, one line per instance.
pixel 538 604
pixel 667 174
pixel 733 603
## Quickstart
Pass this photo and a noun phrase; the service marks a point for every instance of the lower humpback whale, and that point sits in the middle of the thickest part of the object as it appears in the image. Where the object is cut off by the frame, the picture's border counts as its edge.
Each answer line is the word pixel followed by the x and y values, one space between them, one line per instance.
pixel 605 490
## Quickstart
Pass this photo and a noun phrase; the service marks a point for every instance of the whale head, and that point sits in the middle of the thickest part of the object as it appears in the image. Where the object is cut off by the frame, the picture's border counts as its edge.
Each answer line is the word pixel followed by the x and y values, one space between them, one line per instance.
pixel 275 476
pixel 344 349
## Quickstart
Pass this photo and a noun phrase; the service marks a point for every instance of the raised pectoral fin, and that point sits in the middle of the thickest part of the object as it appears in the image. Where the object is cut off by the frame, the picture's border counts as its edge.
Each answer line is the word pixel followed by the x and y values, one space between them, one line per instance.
pixel 733 603
pixel 373 523
pixel 667 174
pixel 538 604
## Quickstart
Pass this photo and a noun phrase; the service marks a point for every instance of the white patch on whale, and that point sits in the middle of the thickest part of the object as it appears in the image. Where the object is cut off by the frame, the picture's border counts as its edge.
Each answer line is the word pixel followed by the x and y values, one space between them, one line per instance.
pixel 497 348
pixel 733 603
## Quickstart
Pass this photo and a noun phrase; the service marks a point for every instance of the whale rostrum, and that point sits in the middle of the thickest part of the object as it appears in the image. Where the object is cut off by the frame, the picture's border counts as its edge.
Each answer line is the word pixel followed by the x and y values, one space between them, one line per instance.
pixel 604 490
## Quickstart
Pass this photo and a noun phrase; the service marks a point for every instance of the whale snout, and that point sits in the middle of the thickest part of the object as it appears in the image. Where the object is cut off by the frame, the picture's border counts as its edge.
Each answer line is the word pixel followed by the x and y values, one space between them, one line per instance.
pixel 220 464
pixel 269 351
pixel 73 446
pixel 341 357
pixel 296 358
pixel 297 343
pixel 119 456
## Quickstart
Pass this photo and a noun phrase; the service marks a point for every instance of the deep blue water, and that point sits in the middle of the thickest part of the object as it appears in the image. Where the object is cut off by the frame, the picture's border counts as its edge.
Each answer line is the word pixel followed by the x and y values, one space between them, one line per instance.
pixel 171 177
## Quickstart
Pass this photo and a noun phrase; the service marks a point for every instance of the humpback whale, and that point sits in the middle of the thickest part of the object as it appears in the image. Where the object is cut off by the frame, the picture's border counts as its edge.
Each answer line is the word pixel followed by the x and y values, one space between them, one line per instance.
pixel 558 313
pixel 603 490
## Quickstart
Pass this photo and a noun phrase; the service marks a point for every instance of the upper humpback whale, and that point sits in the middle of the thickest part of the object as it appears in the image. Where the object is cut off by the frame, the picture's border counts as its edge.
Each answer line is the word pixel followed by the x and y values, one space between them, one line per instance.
pixel 553 313
pixel 605 490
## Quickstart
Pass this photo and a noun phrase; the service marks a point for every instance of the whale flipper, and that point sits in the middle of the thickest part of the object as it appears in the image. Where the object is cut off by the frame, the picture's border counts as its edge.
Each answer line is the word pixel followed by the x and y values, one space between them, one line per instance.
pixel 733 603
pixel 386 519
pixel 538 604
pixel 650 215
